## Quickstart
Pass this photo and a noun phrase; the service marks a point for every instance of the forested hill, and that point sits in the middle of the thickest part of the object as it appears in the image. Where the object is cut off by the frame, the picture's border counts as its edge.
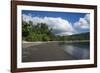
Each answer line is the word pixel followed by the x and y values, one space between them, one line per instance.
pixel 81 36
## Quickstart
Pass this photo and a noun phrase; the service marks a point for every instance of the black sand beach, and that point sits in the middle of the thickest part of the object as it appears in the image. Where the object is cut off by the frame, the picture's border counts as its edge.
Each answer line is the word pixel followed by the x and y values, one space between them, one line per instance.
pixel 50 51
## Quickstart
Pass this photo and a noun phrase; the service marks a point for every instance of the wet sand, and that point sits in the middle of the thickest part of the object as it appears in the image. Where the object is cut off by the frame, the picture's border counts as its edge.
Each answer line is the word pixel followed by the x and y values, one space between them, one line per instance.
pixel 50 51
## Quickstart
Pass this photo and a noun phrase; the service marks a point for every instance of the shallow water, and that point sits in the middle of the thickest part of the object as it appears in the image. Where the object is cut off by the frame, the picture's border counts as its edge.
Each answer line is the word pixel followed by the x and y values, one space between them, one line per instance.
pixel 78 50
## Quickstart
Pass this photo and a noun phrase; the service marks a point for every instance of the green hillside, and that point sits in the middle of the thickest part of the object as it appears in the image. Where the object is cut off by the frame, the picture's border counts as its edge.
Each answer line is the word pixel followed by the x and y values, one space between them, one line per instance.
pixel 81 36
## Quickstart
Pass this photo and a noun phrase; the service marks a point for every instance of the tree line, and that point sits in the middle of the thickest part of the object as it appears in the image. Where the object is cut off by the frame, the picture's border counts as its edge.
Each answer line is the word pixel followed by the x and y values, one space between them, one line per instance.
pixel 41 32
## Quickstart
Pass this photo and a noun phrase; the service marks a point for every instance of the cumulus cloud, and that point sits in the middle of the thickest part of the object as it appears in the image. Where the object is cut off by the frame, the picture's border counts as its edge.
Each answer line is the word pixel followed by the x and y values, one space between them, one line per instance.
pixel 83 23
pixel 57 23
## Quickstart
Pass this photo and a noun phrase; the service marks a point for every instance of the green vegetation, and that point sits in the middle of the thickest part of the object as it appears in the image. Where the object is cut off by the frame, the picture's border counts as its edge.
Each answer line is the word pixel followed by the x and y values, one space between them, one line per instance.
pixel 36 32
pixel 41 32
pixel 81 36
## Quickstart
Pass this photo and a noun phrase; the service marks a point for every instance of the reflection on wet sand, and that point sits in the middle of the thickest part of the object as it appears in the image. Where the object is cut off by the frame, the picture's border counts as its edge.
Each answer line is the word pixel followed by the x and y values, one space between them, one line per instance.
pixel 53 51
pixel 77 51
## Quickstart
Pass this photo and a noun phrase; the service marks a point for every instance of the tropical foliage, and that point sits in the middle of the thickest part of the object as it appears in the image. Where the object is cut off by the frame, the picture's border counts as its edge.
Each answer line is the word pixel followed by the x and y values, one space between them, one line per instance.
pixel 41 32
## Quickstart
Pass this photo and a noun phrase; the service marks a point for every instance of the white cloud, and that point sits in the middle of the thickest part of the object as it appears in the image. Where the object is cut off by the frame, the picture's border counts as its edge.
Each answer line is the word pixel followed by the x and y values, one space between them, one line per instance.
pixel 56 23
pixel 83 23
pixel 87 17
pixel 26 18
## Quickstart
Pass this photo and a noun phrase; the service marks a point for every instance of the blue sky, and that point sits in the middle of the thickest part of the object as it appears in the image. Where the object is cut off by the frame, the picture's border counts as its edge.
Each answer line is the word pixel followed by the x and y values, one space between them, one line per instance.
pixel 64 23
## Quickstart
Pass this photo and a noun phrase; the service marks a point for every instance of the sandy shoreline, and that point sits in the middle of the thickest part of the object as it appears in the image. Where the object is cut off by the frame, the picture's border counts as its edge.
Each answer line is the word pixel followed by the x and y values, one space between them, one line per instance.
pixel 26 44
pixel 56 41
pixel 45 51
